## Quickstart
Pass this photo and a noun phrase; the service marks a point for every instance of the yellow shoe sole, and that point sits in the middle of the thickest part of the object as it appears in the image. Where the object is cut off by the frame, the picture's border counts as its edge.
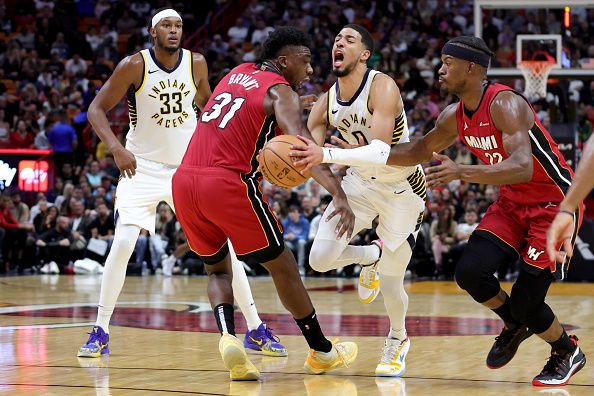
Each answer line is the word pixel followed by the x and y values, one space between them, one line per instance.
pixel 239 366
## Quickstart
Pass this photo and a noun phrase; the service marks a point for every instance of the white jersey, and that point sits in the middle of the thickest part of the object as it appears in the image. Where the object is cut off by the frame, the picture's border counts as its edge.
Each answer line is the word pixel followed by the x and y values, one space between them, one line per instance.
pixel 161 110
pixel 353 118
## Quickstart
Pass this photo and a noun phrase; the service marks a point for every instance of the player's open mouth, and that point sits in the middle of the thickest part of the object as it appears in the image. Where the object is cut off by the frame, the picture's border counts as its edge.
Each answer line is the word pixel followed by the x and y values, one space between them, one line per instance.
pixel 338 59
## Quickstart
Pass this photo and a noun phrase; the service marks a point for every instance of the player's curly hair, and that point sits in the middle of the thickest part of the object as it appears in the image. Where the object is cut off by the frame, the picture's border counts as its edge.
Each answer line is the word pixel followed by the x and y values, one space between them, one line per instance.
pixel 283 37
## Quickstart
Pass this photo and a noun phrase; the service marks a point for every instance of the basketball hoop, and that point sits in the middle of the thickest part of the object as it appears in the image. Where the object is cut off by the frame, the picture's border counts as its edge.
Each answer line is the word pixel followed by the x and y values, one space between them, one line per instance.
pixel 536 73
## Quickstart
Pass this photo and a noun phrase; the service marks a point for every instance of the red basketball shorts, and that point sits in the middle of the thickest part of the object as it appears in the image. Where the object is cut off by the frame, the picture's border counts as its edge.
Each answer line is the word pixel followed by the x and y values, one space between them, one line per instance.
pixel 524 229
pixel 216 204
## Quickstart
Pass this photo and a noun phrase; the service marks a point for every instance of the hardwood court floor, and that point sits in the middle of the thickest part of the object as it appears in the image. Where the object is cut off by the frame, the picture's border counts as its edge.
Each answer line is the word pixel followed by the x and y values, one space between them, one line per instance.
pixel 164 341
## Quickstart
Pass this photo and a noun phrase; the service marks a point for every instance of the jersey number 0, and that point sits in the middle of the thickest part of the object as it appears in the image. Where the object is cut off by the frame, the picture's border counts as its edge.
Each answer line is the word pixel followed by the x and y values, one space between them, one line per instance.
pixel 220 107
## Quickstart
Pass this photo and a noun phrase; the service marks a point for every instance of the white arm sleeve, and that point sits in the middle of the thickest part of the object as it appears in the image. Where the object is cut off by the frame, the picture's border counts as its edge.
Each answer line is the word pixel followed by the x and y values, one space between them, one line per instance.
pixel 375 153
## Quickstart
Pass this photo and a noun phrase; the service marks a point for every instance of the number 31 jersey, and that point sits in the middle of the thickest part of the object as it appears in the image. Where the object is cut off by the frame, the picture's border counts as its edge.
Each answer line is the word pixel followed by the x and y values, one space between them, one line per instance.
pixel 234 127
pixel 161 110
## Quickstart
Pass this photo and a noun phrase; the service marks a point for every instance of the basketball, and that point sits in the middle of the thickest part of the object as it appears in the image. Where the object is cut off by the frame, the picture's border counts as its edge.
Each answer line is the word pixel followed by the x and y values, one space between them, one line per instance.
pixel 276 165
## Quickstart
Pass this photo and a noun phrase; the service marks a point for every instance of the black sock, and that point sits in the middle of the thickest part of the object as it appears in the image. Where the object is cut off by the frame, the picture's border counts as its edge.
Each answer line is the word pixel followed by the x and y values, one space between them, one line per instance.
pixel 224 315
pixel 504 312
pixel 563 345
pixel 310 327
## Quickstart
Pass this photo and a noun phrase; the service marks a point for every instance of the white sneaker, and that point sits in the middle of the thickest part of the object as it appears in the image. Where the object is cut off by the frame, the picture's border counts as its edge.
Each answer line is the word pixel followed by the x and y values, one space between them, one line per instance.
pixel 45 269
pixel 369 282
pixel 392 362
pixel 53 268
pixel 168 264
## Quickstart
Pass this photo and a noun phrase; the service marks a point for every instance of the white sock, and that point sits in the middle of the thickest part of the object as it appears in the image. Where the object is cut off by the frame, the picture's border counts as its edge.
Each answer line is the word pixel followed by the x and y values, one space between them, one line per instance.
pixel 396 302
pixel 114 272
pixel 243 293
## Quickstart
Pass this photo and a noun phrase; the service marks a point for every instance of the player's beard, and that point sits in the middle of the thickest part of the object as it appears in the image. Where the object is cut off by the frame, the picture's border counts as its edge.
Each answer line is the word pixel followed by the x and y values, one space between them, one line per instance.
pixel 345 71
pixel 168 48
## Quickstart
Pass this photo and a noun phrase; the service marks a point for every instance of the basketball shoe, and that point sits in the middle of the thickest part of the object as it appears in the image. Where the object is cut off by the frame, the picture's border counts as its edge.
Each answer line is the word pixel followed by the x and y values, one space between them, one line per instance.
pixel 391 386
pixel 341 355
pixel 392 363
pixel 369 283
pixel 264 341
pixel 236 360
pixel 97 344
pixel 506 345
pixel 560 368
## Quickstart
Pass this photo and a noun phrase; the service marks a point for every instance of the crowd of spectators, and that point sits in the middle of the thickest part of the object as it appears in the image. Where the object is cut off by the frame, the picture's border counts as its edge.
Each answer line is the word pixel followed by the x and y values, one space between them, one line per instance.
pixel 52 64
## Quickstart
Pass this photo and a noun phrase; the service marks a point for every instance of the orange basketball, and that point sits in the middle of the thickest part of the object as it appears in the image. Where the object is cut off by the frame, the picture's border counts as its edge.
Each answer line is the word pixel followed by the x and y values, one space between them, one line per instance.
pixel 276 165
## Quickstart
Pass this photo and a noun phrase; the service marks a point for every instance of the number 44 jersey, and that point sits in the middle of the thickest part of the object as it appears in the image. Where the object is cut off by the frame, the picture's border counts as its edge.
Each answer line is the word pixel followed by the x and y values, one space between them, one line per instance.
pixel 161 110
pixel 234 126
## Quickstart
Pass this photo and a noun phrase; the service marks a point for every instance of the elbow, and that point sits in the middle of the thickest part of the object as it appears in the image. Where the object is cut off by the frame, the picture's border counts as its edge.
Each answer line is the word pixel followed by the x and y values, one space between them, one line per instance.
pixel 525 172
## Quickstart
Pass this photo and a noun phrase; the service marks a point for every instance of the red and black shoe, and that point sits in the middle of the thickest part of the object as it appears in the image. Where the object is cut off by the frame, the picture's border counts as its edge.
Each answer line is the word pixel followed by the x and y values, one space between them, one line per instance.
pixel 506 345
pixel 559 369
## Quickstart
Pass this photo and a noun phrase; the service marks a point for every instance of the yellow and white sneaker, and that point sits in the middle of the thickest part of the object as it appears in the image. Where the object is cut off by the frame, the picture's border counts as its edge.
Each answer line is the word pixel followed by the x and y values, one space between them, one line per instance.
pixel 341 356
pixel 391 386
pixel 392 362
pixel 236 360
pixel 369 282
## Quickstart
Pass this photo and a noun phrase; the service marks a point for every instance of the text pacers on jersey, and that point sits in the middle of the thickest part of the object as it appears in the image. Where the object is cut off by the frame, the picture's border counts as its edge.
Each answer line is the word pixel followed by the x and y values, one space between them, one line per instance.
pixel 170 93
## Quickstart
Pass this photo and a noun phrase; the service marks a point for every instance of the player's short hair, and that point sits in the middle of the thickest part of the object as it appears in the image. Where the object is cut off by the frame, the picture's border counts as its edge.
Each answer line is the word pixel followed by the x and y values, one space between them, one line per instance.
pixel 284 37
pixel 472 42
pixel 366 37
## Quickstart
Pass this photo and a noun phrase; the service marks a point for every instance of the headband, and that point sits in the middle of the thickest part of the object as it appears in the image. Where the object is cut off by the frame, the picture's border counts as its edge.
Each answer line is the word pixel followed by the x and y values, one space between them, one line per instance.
pixel 166 13
pixel 458 51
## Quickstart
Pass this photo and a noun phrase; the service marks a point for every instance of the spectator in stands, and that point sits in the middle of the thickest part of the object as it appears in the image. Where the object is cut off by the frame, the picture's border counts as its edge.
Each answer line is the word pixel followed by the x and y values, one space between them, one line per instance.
pixel 63 140
pixel 80 220
pixel 94 174
pixel 60 47
pixel 260 34
pixel 45 220
pixel 102 227
pixel 54 247
pixel 21 137
pixel 4 129
pixel 443 236
pixel 75 66
pixel 237 33
pixel 126 24
pixel 296 233
pixel 14 235
pixel 93 38
pixel 19 209
pixel 162 242
pixel 218 45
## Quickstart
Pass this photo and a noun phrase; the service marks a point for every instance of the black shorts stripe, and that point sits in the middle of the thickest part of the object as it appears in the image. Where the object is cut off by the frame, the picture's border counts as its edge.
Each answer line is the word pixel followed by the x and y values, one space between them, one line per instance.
pixel 268 221
pixel 264 135
pixel 417 183
pixel 544 154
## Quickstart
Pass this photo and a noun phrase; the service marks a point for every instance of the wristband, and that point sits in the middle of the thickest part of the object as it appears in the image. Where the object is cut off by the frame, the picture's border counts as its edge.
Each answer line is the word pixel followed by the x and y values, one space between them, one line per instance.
pixel 567 212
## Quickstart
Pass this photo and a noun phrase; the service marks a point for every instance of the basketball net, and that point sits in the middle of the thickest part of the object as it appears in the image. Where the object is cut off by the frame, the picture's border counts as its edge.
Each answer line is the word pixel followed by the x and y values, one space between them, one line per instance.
pixel 536 73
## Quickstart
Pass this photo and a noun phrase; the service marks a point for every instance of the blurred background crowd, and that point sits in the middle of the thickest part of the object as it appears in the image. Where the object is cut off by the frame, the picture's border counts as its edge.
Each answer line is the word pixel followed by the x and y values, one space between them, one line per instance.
pixel 55 56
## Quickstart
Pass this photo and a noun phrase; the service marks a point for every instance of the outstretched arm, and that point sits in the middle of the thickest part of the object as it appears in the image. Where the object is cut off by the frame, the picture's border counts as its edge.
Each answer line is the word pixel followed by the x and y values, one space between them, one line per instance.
pixel 561 230
pixel 514 118
pixel 128 74
pixel 286 106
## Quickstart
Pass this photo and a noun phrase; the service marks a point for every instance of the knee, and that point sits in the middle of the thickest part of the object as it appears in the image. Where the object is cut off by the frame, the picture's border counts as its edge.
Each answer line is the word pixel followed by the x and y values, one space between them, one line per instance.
pixel 317 259
pixel 466 275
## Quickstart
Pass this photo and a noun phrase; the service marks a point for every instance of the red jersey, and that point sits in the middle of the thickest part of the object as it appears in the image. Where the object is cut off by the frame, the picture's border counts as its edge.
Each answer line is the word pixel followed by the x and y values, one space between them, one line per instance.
pixel 551 177
pixel 233 126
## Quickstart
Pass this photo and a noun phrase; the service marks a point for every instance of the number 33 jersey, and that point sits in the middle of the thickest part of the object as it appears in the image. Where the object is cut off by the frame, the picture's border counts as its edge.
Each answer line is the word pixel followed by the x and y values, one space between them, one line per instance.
pixel 161 110
pixel 234 126
pixel 353 120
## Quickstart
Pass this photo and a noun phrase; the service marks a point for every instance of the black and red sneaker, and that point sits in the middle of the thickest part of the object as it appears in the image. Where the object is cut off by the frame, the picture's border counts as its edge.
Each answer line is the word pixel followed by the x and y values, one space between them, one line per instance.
pixel 506 345
pixel 559 369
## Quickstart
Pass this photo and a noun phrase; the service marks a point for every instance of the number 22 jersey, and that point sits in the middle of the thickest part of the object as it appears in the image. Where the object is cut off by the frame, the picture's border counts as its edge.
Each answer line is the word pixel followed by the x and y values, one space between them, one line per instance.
pixel 234 126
